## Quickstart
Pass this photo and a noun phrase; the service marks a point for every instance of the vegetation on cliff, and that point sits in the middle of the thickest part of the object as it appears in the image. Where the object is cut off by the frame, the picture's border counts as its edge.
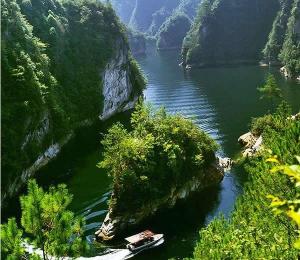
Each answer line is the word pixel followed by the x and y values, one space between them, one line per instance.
pixel 148 16
pixel 284 40
pixel 253 231
pixel 158 17
pixel 160 153
pixel 290 53
pixel 137 42
pixel 228 31
pixel 173 31
pixel 53 55
pixel 272 34
pixel 50 225
pixel 278 32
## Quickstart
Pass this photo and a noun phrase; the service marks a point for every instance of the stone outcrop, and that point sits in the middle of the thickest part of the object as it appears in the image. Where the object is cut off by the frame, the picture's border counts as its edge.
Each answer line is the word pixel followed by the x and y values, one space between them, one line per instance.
pixel 113 224
pixel 294 117
pixel 284 71
pixel 224 163
pixel 117 87
pixel 251 143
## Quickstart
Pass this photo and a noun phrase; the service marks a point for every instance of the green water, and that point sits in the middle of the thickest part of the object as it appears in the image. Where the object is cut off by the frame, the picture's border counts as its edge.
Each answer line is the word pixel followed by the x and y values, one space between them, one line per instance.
pixel 220 100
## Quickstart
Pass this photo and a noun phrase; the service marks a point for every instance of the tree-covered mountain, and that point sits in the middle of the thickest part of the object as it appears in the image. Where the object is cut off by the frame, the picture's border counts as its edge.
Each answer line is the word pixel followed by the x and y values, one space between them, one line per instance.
pixel 290 52
pixel 137 42
pixel 158 19
pixel 227 31
pixel 232 31
pixel 64 63
pixel 172 32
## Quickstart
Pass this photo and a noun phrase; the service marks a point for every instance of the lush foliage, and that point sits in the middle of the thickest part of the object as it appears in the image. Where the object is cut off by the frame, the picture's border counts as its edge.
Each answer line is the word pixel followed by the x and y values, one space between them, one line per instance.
pixel 149 16
pixel 229 31
pixel 172 32
pixel 270 90
pixel 253 231
pixel 283 44
pixel 277 34
pixel 53 55
pixel 52 227
pixel 289 207
pixel 160 152
pixel 290 53
pixel 11 239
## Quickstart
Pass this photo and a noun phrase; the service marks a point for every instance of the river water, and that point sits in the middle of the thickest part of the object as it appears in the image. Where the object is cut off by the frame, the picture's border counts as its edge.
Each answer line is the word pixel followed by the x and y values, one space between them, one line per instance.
pixel 220 100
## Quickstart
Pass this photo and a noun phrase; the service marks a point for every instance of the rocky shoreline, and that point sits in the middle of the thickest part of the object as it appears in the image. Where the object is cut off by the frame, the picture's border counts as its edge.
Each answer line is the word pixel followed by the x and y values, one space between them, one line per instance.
pixel 251 143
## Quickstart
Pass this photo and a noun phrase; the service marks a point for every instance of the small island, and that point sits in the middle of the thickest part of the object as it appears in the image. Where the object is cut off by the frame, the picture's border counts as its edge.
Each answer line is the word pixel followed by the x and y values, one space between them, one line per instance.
pixel 161 160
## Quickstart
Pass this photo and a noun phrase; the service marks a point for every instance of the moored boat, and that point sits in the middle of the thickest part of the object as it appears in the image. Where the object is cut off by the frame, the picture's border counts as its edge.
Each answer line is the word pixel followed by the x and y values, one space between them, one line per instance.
pixel 144 240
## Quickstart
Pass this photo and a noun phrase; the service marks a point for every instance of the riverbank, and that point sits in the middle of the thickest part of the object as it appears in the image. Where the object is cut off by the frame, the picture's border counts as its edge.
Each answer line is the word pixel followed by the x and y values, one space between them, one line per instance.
pixel 253 231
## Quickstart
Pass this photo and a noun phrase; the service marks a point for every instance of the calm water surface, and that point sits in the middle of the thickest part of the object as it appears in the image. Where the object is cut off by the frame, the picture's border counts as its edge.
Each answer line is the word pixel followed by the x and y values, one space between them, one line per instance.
pixel 220 100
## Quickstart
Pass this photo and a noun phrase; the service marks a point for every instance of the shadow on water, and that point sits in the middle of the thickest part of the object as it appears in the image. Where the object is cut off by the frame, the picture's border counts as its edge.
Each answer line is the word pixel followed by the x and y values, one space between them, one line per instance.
pixel 76 166
pixel 180 224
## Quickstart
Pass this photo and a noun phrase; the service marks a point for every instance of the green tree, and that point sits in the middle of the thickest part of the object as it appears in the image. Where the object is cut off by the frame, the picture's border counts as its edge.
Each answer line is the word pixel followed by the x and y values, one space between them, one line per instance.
pixel 270 90
pixel 55 229
pixel 290 207
pixel 160 152
pixel 11 240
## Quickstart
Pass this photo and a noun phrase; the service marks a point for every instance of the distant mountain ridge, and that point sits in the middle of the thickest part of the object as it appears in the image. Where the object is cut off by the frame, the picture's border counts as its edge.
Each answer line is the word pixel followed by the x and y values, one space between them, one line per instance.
pixel 158 19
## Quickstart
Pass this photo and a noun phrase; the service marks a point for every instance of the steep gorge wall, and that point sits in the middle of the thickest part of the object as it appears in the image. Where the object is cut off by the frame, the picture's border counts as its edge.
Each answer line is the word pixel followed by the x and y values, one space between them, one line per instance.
pixel 231 31
pixel 64 65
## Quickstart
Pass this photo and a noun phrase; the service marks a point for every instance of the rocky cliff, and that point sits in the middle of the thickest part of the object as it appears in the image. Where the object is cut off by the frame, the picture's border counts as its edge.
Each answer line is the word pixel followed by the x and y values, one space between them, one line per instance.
pixel 64 65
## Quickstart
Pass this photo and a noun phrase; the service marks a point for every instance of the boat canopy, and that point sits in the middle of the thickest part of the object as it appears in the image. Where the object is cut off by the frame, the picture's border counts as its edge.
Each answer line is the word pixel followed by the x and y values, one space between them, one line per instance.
pixel 139 237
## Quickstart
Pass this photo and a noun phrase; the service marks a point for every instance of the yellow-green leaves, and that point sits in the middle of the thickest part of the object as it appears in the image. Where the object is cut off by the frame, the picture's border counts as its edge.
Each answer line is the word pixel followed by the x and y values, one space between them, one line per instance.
pixel 291 208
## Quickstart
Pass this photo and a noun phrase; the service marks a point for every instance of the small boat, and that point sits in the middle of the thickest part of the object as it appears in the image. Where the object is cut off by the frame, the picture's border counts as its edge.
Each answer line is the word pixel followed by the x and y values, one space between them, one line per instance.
pixel 144 240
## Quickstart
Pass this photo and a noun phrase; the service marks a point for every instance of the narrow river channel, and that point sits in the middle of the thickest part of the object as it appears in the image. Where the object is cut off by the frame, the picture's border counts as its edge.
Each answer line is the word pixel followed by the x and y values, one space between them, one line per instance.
pixel 220 100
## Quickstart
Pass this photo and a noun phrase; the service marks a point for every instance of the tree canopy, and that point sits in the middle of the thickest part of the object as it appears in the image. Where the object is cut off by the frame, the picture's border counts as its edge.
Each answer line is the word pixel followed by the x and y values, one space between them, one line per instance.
pixel 160 152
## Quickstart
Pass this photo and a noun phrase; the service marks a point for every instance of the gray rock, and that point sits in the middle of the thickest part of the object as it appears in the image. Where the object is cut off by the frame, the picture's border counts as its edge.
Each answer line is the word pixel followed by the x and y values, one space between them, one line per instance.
pixel 247 140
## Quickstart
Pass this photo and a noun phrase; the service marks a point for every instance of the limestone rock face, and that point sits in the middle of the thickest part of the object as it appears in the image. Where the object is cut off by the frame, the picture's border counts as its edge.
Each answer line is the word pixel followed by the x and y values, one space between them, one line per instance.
pixel 247 140
pixel 114 224
pixel 117 87
pixel 251 143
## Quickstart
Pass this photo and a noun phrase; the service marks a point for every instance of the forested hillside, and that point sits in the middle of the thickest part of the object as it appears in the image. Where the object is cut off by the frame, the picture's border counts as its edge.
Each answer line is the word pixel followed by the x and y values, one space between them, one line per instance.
pixel 159 19
pixel 56 56
pixel 245 32
pixel 290 52
pixel 172 32
pixel 229 31
pixel 254 230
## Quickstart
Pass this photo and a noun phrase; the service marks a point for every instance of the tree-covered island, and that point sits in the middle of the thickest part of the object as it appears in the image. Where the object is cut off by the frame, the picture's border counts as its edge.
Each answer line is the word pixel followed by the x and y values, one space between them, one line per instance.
pixel 162 159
